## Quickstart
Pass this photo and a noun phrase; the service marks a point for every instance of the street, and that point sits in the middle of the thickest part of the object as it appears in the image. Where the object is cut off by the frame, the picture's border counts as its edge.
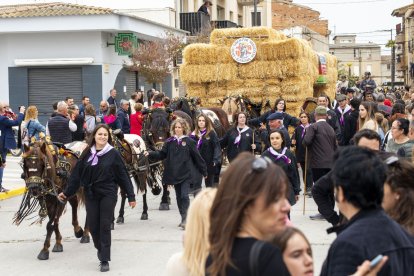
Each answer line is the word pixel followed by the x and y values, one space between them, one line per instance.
pixel 138 247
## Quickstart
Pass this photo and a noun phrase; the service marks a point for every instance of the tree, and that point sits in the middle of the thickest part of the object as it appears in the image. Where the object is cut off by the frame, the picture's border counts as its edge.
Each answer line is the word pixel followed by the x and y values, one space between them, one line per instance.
pixel 155 59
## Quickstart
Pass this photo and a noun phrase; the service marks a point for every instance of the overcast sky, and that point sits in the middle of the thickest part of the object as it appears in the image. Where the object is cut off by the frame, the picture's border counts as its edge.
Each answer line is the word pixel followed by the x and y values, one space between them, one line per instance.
pixel 345 16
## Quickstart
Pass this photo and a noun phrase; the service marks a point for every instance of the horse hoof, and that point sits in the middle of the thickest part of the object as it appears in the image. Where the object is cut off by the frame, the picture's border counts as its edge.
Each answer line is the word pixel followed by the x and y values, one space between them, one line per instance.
pixel 57 248
pixel 79 234
pixel 43 255
pixel 120 220
pixel 144 216
pixel 85 239
pixel 164 207
pixel 112 226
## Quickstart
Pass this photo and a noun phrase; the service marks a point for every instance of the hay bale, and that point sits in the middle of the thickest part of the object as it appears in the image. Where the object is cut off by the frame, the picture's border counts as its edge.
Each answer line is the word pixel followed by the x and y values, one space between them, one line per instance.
pixel 284 49
pixel 226 37
pixel 199 53
pixel 208 73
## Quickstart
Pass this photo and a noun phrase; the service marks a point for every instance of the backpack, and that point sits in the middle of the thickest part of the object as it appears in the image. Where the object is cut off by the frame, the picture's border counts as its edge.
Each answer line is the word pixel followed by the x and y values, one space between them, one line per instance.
pixel 25 134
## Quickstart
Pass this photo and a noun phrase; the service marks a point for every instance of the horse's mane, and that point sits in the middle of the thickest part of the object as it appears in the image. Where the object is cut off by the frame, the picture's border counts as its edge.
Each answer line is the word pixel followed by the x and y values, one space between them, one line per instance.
pixel 159 120
pixel 181 104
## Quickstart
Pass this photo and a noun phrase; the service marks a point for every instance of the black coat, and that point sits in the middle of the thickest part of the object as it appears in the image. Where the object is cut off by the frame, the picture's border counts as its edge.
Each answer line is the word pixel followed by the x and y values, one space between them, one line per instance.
pixel 333 121
pixel 291 171
pixel 210 150
pixel 367 234
pixel 300 151
pixel 180 158
pixel 101 179
pixel 288 120
pixel 79 134
pixel 123 118
pixel 245 142
pixel 351 126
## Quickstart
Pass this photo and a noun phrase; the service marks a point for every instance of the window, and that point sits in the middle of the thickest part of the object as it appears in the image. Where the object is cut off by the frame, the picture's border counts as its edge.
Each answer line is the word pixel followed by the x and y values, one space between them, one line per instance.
pixel 369 68
pixel 259 19
pixel 345 41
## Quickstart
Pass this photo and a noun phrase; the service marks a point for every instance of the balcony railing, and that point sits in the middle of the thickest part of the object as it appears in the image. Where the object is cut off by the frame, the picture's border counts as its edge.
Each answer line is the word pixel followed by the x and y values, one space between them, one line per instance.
pixel 223 24
pixel 195 22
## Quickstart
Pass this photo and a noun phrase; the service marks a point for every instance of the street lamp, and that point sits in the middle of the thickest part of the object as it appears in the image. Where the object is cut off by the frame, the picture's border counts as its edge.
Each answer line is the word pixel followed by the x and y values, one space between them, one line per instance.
pixel 349 70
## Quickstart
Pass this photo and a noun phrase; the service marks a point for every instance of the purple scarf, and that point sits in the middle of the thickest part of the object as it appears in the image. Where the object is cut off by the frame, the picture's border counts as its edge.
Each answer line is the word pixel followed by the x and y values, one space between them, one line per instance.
pixel 281 155
pixel 342 119
pixel 175 138
pixel 95 154
pixel 304 130
pixel 200 139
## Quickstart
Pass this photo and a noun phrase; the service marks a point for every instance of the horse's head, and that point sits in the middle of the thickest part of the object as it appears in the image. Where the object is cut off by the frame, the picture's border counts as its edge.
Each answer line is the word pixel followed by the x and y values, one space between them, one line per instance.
pixel 37 167
pixel 157 128
pixel 182 104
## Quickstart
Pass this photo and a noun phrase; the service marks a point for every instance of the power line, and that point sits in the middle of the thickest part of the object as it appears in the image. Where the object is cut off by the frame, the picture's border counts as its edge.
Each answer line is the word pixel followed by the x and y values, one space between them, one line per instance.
pixel 342 3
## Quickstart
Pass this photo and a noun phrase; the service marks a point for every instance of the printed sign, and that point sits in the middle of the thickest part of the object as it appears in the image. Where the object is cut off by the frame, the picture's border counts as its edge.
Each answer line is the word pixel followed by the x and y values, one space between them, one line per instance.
pixel 243 50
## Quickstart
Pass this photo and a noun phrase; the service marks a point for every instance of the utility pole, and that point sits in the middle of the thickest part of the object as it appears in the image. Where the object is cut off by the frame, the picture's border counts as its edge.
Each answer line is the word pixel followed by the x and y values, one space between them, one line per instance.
pixel 255 13
pixel 392 62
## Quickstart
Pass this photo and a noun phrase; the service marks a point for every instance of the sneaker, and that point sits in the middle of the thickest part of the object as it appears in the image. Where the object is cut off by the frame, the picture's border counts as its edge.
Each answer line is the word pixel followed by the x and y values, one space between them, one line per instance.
pixel 318 216
pixel 4 190
pixel 104 266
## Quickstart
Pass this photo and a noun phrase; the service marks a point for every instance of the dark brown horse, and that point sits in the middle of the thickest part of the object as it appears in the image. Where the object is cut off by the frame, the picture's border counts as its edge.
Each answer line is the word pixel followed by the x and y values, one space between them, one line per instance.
pixel 234 104
pixel 42 187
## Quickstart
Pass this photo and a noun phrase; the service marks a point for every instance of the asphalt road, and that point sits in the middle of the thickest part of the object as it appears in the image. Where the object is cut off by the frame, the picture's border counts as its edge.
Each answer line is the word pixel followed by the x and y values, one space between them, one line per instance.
pixel 138 247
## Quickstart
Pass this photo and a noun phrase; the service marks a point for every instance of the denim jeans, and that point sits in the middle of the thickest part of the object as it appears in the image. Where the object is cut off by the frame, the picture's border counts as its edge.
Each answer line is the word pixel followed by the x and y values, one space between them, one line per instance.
pixel 3 156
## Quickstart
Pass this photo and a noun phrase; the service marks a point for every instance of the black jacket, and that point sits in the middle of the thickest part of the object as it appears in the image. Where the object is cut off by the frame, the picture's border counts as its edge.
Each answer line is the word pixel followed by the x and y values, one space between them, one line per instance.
pixel 264 137
pixel 351 126
pixel 367 234
pixel 323 194
pixel 101 179
pixel 210 150
pixel 123 118
pixel 79 134
pixel 245 142
pixel 300 151
pixel 333 121
pixel 291 171
pixel 179 160
pixel 288 120
pixel 59 129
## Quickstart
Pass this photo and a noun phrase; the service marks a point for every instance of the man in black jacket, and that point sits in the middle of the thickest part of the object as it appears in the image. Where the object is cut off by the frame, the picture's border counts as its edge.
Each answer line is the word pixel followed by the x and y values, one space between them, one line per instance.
pixel 359 176
pixel 351 122
pixel 323 189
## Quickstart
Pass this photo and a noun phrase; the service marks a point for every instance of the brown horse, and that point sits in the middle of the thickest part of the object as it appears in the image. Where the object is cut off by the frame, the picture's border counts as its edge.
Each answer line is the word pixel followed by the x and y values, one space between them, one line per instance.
pixel 42 187
pixel 234 104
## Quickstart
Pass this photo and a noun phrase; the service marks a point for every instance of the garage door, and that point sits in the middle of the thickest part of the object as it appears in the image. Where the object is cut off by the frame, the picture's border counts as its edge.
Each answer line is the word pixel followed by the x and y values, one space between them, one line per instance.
pixel 48 85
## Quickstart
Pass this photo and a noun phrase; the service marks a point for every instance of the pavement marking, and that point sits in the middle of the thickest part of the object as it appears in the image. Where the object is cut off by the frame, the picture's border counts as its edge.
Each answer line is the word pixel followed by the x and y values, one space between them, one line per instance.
pixel 12 193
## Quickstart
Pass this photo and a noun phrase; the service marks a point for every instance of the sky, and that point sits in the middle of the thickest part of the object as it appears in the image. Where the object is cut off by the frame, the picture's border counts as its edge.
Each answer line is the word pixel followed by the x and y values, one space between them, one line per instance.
pixel 363 17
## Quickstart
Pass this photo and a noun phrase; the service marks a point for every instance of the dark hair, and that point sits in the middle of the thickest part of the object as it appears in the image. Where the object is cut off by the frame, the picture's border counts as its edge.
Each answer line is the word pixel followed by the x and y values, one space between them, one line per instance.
pixel 111 110
pixel 158 97
pixel 84 97
pixel 355 103
pixel 67 98
pixel 368 134
pixel 399 178
pixel 400 101
pixel 281 135
pixel 361 175
pixel 91 142
pixel 90 110
pixel 241 186
pixel 276 103
pixel 236 117
pixel 404 124
pixel 54 106
pixel 281 240
pixel 398 108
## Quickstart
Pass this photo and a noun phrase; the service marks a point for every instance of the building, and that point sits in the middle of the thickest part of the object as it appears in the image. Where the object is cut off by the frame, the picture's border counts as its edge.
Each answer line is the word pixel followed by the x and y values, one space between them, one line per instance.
pixel 404 41
pixel 53 50
pixel 301 22
pixel 357 58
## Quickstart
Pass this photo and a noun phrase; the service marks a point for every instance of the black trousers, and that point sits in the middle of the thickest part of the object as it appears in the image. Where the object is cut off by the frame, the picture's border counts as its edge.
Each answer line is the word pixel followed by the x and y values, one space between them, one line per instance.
pixel 318 173
pixel 209 181
pixel 183 200
pixel 100 212
pixel 309 176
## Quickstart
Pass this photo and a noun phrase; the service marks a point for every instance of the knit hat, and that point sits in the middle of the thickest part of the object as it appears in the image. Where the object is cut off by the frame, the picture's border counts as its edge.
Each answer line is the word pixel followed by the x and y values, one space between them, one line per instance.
pixel 387 102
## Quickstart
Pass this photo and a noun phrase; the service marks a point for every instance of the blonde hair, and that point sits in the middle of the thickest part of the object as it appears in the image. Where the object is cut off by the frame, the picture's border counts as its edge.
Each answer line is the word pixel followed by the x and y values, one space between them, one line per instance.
pixel 138 107
pixel 196 242
pixel 184 125
pixel 31 113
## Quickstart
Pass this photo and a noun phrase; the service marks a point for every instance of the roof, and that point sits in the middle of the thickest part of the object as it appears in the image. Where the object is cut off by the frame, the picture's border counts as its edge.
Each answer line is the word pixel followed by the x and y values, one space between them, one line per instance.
pixel 401 11
pixel 353 45
pixel 50 9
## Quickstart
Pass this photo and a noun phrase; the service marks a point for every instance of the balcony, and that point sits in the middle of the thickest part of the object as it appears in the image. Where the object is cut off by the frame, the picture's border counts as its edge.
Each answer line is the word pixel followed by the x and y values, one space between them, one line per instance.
pixel 223 24
pixel 195 22
pixel 399 38
pixel 248 2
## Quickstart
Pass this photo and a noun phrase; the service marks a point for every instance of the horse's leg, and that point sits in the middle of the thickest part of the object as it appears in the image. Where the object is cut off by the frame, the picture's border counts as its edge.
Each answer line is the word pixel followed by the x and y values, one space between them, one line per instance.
pixel 164 206
pixel 86 237
pixel 120 218
pixel 144 215
pixel 51 211
pixel 74 203
pixel 58 247
pixel 140 180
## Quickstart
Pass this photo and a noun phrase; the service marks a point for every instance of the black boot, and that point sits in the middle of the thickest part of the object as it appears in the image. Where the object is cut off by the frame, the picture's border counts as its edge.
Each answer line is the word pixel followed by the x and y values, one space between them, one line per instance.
pixel 104 266
pixel 183 222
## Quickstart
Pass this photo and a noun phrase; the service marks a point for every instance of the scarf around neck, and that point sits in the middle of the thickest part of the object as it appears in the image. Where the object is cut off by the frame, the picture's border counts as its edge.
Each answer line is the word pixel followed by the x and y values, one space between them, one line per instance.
pixel 342 120
pixel 176 138
pixel 304 130
pixel 94 156
pixel 281 155
pixel 238 138
pixel 200 137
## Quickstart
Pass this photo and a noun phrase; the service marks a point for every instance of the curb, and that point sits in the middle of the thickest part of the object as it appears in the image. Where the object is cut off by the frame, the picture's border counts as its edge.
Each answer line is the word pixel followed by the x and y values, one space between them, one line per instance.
pixel 12 193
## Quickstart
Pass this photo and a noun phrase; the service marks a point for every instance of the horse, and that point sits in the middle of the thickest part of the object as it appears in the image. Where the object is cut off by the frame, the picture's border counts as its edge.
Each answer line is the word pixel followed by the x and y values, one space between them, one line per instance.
pixel 132 148
pixel 232 105
pixel 42 188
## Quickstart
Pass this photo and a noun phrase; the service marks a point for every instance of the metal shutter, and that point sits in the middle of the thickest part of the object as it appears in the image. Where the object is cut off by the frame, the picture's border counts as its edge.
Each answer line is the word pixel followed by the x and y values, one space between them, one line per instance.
pixel 48 85
pixel 131 83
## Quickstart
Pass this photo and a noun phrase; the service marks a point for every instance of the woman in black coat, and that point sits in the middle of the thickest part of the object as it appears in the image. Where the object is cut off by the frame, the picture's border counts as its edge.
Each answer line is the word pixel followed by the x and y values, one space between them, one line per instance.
pixel 99 171
pixel 239 138
pixel 300 151
pixel 284 158
pixel 181 155
pixel 208 145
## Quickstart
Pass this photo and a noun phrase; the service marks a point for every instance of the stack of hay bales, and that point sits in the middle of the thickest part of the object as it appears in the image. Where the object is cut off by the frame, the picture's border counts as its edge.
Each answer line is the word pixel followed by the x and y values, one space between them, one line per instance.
pixel 283 67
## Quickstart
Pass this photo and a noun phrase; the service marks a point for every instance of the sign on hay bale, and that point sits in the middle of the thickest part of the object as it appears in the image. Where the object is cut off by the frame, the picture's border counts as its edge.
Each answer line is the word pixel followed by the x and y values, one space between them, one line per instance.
pixel 243 50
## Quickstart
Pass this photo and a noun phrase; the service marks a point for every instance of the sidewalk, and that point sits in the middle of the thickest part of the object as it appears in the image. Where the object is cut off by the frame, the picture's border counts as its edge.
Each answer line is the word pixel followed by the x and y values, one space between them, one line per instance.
pixel 11 178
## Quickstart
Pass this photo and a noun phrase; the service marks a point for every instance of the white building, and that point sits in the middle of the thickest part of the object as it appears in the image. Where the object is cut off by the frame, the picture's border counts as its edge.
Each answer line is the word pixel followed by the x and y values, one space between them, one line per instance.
pixel 50 51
